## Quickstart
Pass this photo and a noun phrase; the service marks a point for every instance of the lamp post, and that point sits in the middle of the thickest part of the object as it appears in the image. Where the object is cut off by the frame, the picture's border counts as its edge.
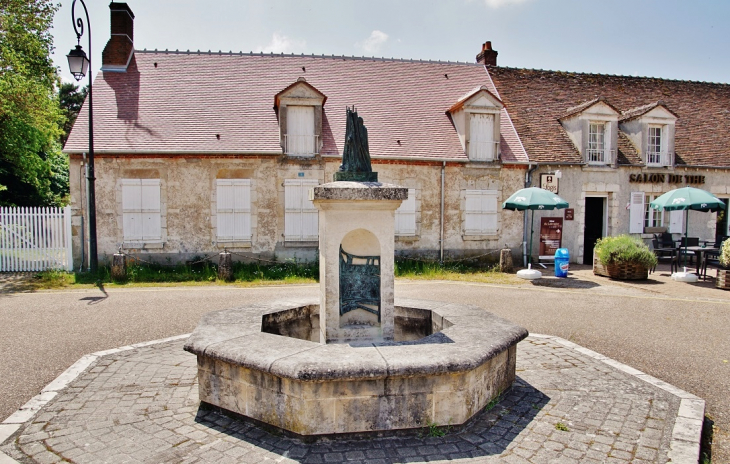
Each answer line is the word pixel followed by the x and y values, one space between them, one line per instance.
pixel 79 64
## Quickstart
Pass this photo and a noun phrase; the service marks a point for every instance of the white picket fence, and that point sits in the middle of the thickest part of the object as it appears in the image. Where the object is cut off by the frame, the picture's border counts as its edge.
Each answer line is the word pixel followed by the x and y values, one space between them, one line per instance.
pixel 35 239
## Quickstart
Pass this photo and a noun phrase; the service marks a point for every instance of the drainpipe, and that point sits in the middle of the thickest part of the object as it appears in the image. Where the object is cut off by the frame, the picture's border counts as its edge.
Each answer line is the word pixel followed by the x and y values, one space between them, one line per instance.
pixel 443 181
pixel 528 183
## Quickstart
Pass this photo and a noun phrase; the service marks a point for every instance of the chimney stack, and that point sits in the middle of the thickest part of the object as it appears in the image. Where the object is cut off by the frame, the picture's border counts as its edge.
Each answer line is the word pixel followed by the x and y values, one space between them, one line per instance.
pixel 487 55
pixel 119 50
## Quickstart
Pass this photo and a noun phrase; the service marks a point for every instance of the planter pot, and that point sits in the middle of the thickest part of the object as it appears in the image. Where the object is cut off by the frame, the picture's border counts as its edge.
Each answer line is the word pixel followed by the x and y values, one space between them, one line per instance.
pixel 623 271
pixel 723 279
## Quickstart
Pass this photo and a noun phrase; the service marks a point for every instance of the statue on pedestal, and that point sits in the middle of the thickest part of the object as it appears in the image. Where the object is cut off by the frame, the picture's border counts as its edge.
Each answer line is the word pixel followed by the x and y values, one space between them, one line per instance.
pixel 356 154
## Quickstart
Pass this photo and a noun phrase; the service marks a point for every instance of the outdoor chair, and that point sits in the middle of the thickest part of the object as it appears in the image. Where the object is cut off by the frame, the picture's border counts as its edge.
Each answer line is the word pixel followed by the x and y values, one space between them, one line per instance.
pixel 711 258
pixel 691 241
pixel 665 254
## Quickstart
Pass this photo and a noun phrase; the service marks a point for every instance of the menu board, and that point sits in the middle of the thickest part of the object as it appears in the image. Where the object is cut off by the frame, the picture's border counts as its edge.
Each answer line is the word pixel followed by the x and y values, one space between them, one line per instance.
pixel 551 235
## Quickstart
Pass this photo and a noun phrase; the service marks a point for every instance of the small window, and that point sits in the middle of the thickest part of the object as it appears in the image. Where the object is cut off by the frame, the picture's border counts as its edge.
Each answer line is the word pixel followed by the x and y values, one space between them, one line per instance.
pixel 652 217
pixel 300 137
pixel 596 142
pixel 482 146
pixel 405 216
pixel 233 209
pixel 655 153
pixel 480 212
pixel 141 215
pixel 301 217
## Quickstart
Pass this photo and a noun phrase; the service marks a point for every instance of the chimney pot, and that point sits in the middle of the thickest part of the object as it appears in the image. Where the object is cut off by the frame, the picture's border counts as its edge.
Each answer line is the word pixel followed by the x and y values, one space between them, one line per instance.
pixel 487 56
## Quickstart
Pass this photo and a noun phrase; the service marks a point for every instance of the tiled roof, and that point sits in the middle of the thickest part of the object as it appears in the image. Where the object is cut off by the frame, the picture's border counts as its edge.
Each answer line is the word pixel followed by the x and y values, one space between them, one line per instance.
pixel 585 105
pixel 180 102
pixel 536 99
pixel 642 110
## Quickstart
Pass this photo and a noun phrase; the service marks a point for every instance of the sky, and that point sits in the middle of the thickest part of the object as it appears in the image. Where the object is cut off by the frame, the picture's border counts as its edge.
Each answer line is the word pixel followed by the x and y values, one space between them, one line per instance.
pixel 674 39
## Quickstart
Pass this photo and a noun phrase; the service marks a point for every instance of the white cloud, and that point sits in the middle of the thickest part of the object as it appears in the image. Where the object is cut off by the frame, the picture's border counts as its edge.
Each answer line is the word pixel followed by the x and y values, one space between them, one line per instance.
pixel 501 3
pixel 374 43
pixel 283 44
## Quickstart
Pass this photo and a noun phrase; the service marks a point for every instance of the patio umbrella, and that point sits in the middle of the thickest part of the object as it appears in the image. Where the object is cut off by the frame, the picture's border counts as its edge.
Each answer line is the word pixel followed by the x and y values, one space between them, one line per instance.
pixel 533 198
pixel 685 199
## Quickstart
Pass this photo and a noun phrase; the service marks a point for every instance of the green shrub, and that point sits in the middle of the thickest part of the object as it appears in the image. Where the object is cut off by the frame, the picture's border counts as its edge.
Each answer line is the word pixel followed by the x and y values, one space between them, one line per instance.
pixel 624 249
pixel 725 253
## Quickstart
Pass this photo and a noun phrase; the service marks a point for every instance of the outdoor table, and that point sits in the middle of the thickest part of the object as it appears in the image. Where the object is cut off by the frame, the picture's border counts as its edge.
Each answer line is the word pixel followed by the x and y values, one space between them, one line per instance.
pixel 699 251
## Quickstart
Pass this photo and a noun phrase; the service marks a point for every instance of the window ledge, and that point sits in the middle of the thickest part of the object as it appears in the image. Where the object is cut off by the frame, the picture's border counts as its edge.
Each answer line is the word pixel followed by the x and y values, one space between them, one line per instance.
pixel 467 238
pixel 233 244
pixel 142 245
pixel 301 244
pixel 407 238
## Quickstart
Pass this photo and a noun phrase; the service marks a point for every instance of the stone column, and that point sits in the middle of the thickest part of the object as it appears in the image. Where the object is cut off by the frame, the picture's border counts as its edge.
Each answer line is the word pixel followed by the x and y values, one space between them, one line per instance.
pixel 360 217
pixel 225 266
pixel 119 267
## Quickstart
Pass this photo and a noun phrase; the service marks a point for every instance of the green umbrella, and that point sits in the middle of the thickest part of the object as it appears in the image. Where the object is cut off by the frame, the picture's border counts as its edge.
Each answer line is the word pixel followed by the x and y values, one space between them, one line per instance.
pixel 687 198
pixel 533 198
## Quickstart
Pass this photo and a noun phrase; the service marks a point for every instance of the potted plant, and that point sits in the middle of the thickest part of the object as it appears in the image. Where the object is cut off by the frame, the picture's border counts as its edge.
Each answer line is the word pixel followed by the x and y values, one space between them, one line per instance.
pixel 723 275
pixel 623 257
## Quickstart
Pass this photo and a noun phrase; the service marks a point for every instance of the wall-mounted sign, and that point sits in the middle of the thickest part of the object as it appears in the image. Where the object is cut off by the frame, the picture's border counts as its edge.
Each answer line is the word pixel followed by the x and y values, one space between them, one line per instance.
pixel 668 178
pixel 551 235
pixel 549 182
pixel 569 214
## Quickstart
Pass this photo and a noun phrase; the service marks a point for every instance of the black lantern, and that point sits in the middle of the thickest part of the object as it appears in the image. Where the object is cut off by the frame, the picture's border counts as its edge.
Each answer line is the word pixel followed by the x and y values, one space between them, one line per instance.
pixel 78 63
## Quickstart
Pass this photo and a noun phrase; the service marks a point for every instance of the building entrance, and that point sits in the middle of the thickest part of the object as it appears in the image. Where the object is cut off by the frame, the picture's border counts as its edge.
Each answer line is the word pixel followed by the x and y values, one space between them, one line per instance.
pixel 722 228
pixel 594 226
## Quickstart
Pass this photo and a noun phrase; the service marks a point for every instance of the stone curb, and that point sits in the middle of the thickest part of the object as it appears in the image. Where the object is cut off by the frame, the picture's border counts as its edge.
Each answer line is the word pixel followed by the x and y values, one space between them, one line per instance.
pixel 684 446
pixel 26 412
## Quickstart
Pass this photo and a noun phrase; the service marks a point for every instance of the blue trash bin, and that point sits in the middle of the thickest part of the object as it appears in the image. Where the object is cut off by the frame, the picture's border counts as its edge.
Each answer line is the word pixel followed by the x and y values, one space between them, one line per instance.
pixel 562 259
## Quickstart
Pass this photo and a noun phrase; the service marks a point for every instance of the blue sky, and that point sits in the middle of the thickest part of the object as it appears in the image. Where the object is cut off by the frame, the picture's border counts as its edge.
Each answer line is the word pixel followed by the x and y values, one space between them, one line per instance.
pixel 673 39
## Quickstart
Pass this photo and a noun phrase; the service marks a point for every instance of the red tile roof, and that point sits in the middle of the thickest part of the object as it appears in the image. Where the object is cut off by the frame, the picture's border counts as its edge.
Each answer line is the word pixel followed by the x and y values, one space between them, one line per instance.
pixel 179 103
pixel 536 99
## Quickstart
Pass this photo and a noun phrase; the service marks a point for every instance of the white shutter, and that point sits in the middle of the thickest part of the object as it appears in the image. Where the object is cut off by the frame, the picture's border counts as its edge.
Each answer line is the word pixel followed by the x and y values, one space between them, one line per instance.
pixel 233 198
pixel 301 217
pixel 405 215
pixel 132 209
pixel 472 209
pixel 676 222
pixel 636 213
pixel 300 130
pixel 151 221
pixel 480 212
pixel 489 211
pixel 481 135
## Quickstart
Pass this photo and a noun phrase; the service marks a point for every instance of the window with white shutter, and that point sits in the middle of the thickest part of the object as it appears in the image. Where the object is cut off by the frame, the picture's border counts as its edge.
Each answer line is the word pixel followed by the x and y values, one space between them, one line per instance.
pixel 636 213
pixel 141 211
pixel 481 137
pixel 405 216
pixel 233 209
pixel 676 222
pixel 301 217
pixel 300 137
pixel 480 212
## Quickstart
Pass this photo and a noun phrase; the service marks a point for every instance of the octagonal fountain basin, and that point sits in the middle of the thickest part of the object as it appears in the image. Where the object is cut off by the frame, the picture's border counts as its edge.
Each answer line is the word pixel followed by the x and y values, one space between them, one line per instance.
pixel 265 362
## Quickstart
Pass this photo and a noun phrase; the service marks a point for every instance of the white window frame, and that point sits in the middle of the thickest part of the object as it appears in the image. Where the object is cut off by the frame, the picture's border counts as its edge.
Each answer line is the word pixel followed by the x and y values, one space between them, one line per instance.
pixel 481 212
pixel 233 210
pixel 141 210
pixel 596 146
pixel 301 217
pixel 482 146
pixel 300 137
pixel 652 217
pixel 656 153
pixel 405 216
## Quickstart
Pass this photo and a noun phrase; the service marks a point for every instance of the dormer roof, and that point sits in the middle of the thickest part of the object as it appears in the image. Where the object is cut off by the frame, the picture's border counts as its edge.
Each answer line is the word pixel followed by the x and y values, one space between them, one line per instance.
pixel 639 111
pixel 301 89
pixel 582 107
pixel 473 95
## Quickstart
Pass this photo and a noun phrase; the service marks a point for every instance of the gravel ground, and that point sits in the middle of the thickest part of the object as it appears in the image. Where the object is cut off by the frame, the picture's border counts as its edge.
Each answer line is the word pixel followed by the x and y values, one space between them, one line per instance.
pixel 674 331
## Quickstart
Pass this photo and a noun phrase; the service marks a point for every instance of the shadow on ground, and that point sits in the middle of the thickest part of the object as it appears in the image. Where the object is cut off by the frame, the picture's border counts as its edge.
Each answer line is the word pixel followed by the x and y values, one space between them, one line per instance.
pixel 488 433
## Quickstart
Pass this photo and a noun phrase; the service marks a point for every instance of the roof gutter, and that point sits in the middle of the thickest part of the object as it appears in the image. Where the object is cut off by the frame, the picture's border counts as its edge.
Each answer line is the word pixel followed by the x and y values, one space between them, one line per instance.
pixel 409 158
pixel 174 152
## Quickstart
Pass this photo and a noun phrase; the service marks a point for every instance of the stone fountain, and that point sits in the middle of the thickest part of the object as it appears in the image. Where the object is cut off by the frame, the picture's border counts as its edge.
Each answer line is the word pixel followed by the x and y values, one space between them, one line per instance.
pixel 358 360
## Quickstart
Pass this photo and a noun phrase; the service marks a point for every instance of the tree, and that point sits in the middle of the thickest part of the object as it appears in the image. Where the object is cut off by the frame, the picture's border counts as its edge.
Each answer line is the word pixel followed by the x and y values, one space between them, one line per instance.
pixel 70 98
pixel 30 116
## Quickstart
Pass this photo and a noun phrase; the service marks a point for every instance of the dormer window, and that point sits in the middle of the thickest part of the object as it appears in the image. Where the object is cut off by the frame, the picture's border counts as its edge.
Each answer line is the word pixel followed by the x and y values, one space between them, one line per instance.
pixel 651 129
pixel 299 108
pixel 593 128
pixel 476 117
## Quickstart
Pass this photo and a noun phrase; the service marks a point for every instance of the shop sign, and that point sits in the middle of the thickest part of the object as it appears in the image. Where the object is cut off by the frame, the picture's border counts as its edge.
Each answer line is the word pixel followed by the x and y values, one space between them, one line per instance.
pixel 569 214
pixel 659 178
pixel 551 235
pixel 549 182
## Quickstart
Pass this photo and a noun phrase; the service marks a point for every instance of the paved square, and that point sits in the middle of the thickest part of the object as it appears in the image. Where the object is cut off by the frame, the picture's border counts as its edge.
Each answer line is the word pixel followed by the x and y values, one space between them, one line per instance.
pixel 567 405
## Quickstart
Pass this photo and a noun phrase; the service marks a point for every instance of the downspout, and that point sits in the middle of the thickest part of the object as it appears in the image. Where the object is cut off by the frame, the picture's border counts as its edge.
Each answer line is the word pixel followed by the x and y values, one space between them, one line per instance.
pixel 443 182
pixel 528 183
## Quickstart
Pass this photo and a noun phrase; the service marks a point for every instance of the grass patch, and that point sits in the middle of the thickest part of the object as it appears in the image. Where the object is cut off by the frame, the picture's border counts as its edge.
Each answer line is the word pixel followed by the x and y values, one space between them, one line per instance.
pixel 562 427
pixel 459 271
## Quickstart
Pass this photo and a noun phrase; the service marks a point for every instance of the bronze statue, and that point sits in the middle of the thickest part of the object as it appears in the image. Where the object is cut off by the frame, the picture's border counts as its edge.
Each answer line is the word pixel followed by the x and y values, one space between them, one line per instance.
pixel 356 154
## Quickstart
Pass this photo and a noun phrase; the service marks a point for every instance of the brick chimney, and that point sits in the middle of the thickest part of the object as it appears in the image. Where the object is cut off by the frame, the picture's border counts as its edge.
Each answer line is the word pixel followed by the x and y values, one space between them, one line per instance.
pixel 487 55
pixel 120 48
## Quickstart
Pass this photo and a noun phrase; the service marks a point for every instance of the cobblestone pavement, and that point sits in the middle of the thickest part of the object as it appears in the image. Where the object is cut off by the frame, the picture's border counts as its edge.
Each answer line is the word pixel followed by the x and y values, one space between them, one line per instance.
pixel 568 405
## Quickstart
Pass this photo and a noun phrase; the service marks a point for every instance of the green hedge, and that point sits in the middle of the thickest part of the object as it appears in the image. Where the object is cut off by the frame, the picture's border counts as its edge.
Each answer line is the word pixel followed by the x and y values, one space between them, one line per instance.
pixel 725 253
pixel 622 249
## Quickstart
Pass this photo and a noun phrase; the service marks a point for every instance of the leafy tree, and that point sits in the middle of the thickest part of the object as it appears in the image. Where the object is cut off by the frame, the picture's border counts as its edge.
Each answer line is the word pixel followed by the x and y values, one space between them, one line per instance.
pixel 70 98
pixel 30 115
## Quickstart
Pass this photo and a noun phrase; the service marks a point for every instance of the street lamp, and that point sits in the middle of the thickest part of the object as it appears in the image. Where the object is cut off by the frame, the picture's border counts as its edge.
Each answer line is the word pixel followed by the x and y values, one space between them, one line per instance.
pixel 79 64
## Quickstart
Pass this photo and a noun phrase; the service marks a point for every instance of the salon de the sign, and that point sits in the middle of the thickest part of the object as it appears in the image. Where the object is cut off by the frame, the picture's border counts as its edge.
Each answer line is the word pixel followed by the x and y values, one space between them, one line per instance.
pixel 668 178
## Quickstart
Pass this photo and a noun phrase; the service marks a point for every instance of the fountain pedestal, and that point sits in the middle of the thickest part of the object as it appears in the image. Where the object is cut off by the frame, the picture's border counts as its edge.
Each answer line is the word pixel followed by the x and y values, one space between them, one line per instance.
pixel 356 249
